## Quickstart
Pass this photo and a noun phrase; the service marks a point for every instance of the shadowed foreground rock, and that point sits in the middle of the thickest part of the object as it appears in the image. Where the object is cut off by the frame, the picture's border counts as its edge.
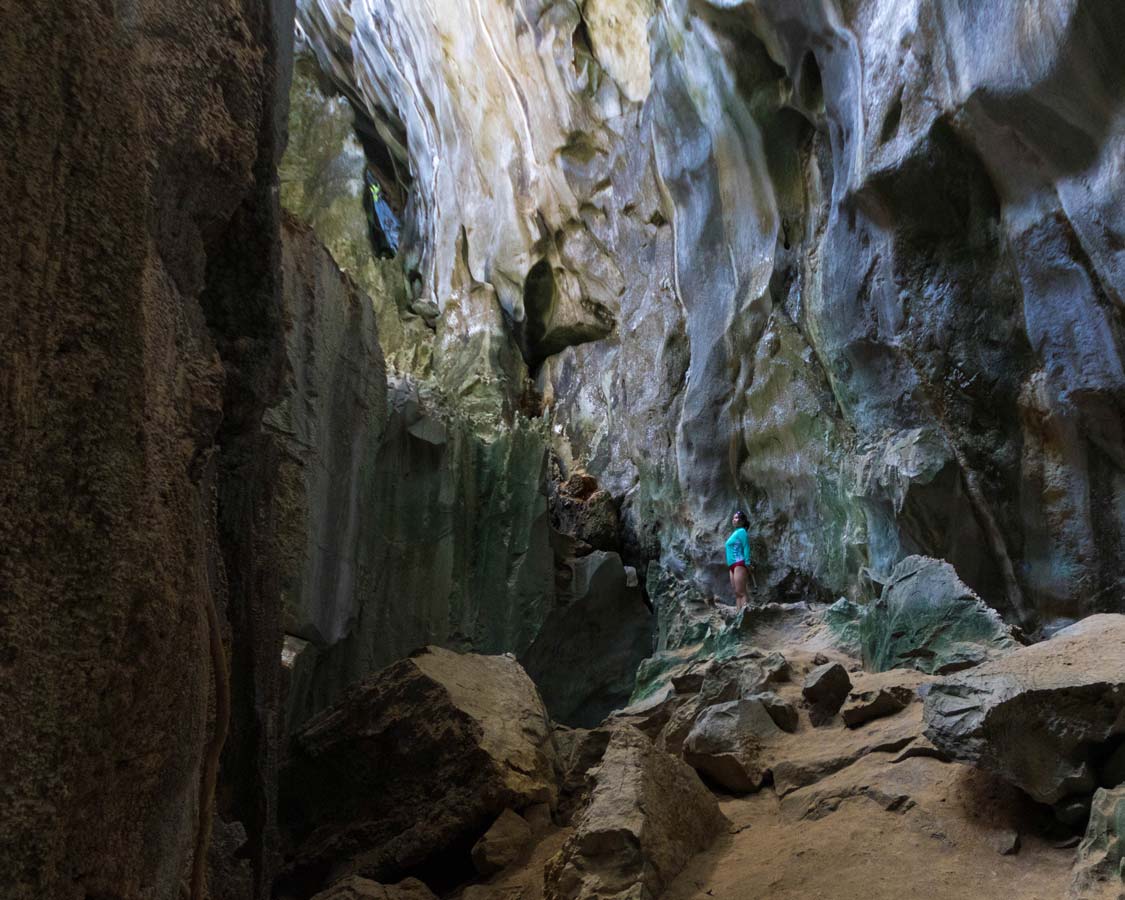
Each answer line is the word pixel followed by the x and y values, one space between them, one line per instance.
pixel 648 815
pixel 414 764
pixel 1040 716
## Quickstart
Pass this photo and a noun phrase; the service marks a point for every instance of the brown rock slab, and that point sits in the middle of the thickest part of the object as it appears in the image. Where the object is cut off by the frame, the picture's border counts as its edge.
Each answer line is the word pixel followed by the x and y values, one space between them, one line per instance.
pixel 417 759
pixel 649 814
pixel 729 744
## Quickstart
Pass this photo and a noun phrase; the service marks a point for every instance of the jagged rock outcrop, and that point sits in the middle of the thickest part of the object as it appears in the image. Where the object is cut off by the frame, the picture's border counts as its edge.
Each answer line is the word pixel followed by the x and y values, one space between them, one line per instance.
pixel 412 767
pixel 584 658
pixel 853 266
pixel 928 619
pixel 647 816
pixel 139 345
pixel 1044 717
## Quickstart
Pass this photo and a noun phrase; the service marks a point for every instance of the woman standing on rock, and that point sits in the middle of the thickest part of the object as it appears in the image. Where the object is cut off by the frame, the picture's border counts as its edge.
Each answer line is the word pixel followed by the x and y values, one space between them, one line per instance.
pixel 738 558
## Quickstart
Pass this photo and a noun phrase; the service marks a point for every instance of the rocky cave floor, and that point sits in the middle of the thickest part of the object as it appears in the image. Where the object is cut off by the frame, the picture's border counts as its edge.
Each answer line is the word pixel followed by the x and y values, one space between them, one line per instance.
pixel 786 772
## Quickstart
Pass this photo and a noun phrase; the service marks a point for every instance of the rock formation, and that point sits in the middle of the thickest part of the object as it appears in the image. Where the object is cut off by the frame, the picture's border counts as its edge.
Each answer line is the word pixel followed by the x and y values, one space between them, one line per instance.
pixel 412 766
pixel 853 266
pixel 647 816
pixel 1042 717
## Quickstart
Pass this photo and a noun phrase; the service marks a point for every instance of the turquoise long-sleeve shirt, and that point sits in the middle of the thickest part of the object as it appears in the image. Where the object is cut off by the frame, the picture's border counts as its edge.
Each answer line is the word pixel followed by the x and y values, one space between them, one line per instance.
pixel 738 547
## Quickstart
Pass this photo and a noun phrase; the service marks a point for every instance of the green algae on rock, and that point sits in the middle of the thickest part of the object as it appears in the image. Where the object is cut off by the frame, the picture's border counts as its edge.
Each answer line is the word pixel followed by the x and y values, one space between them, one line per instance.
pixel 928 619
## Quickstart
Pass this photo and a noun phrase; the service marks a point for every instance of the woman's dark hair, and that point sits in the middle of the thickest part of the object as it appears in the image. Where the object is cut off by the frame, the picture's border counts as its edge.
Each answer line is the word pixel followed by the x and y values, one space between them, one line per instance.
pixel 743 521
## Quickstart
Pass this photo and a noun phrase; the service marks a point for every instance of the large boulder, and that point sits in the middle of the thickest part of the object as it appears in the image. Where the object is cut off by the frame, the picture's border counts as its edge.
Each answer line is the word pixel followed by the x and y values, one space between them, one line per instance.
pixel 648 815
pixel 414 763
pixel 930 620
pixel 585 657
pixel 727 743
pixel 1099 870
pixel 1041 716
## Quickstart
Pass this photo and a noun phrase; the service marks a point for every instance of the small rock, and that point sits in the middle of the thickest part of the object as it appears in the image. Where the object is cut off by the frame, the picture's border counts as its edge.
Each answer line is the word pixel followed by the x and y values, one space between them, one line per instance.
pixel 1006 841
pixel 783 713
pixel 826 688
pixel 863 706
pixel 502 843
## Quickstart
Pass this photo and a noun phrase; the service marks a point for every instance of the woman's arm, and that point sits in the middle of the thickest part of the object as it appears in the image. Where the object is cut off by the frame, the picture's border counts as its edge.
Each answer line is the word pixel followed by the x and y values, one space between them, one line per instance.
pixel 745 546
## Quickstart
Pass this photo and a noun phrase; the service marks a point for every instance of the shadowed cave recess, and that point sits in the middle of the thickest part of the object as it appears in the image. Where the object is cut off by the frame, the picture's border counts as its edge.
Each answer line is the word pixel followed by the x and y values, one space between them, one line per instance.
pixel 380 378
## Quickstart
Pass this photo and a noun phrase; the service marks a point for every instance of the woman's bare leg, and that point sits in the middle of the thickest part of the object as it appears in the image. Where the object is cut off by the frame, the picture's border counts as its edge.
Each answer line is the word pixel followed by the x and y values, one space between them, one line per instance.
pixel 738 579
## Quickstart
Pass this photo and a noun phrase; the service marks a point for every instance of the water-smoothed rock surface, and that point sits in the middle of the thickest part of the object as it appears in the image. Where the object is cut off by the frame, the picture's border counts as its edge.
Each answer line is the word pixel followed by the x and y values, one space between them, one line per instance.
pixel 854 267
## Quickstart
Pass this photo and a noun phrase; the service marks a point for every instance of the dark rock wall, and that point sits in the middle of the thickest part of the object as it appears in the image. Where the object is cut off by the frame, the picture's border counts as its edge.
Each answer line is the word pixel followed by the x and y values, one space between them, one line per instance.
pixel 139 345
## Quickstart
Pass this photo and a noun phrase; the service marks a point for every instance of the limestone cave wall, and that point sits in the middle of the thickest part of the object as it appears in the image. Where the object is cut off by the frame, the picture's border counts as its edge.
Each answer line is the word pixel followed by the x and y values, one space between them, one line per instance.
pixel 855 266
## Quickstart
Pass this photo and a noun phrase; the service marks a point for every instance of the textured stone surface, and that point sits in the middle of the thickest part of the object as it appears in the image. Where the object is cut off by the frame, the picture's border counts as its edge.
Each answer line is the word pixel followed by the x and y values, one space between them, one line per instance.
pixel 330 420
pixel 1039 716
pixel 502 844
pixel 136 358
pixel 855 266
pixel 928 619
pixel 414 765
pixel 826 688
pixel 454 525
pixel 726 744
pixel 863 706
pixel 648 815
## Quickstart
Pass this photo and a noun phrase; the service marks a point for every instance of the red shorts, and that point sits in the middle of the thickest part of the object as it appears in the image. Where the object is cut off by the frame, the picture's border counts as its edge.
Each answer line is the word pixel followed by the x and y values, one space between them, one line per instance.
pixel 737 564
